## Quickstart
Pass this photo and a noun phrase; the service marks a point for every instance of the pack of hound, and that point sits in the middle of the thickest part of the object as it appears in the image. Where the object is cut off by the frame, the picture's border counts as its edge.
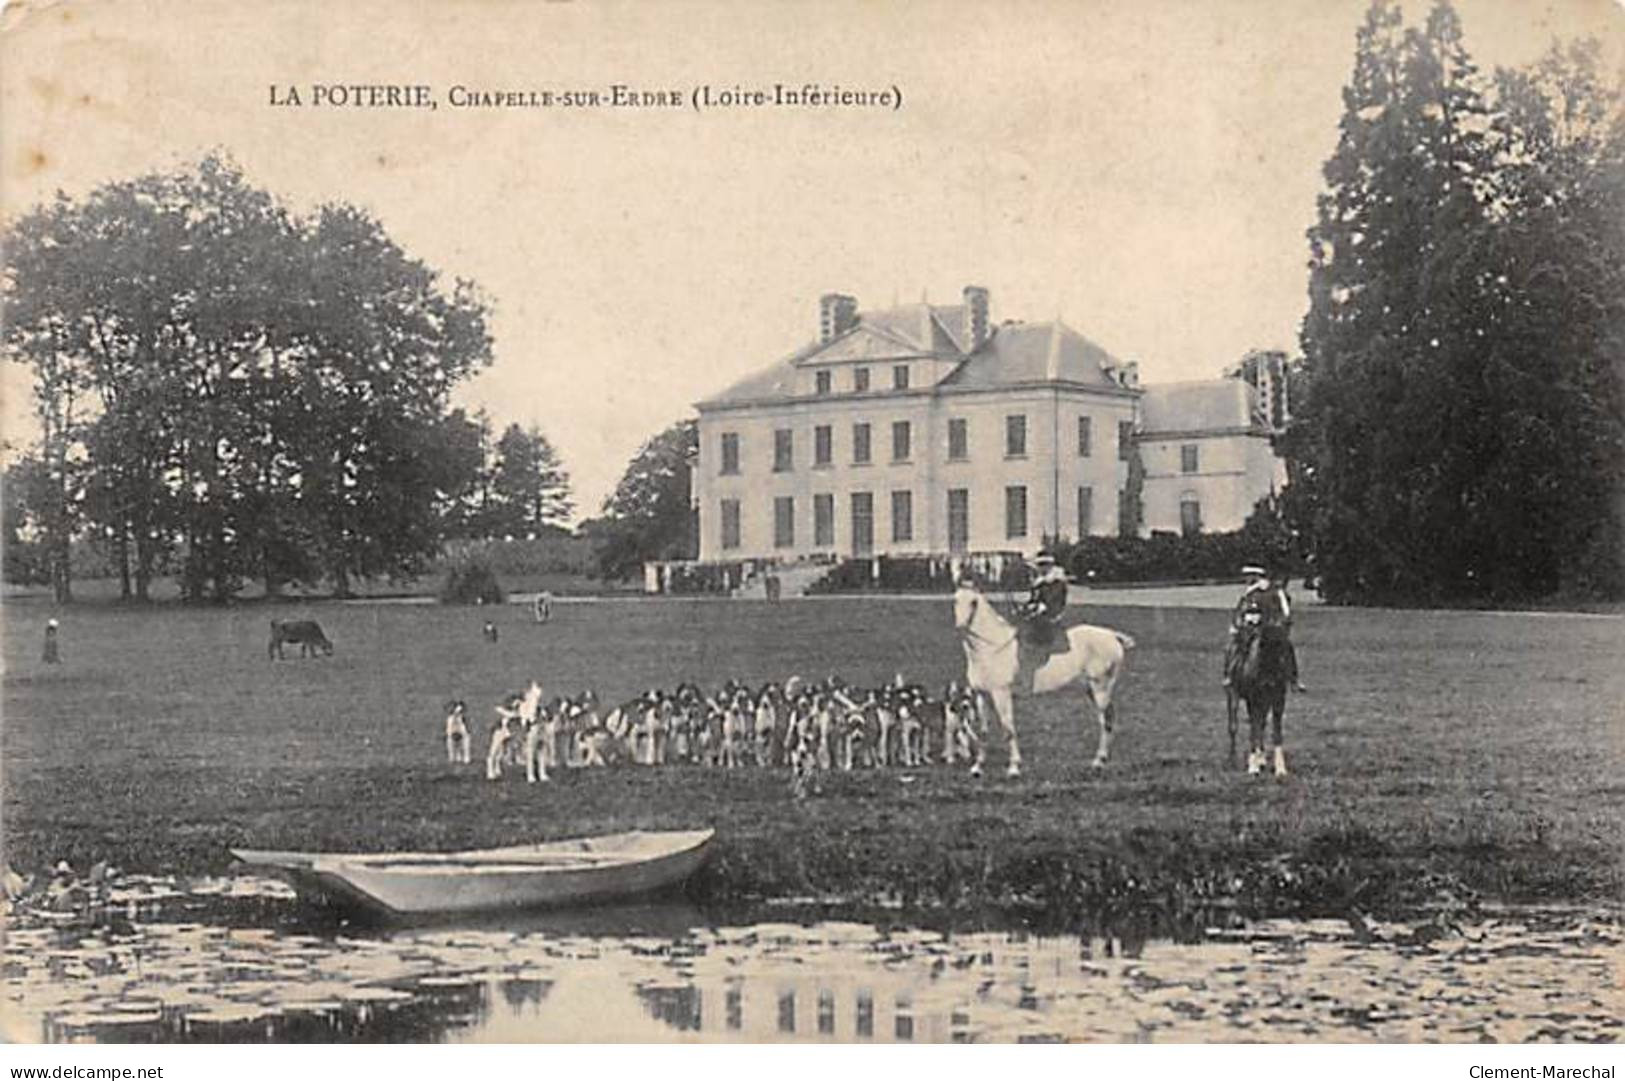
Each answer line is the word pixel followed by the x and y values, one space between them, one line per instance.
pixel 806 727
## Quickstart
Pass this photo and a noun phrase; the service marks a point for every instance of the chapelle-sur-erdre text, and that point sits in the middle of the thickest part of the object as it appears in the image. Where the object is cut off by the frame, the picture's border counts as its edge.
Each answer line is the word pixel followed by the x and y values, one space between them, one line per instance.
pixel 702 97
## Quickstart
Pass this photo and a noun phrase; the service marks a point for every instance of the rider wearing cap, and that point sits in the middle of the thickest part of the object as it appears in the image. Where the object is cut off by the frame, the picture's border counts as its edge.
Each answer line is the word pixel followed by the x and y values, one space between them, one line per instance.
pixel 1265 600
pixel 1047 601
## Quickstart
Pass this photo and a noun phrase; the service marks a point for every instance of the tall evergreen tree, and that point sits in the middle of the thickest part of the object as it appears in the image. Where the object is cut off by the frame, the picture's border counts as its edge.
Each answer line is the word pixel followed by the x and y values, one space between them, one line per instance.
pixel 529 483
pixel 1433 405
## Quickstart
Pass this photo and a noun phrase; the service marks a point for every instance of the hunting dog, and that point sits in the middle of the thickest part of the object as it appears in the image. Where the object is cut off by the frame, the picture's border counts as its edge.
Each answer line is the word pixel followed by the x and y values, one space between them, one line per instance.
pixel 458 751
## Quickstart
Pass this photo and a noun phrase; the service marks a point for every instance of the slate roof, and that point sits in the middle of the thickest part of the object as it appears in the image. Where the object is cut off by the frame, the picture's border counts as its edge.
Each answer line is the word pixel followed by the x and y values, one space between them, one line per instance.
pixel 1015 354
pixel 1035 353
pixel 1199 406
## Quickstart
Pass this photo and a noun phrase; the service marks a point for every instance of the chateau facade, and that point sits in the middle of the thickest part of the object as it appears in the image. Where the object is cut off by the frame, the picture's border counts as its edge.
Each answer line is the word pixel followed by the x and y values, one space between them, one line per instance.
pixel 927 429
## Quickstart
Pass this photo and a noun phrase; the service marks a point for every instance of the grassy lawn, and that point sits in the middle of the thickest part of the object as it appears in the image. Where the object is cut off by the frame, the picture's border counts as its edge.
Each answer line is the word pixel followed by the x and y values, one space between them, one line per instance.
pixel 1437 752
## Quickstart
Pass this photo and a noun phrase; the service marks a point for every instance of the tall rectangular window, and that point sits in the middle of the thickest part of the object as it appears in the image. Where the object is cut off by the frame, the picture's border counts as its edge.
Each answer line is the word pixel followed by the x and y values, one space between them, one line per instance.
pixel 1015 435
pixel 821 381
pixel 860 380
pixel 863 523
pixel 1125 439
pixel 902 516
pixel 823 445
pixel 730 523
pixel 958 440
pixel 783 450
pixel 860 444
pixel 1188 458
pixel 1015 511
pixel 730 452
pixel 784 521
pixel 899 377
pixel 823 520
pixel 1086 512
pixel 1085 437
pixel 958 519
pixel 1190 514
pixel 901 437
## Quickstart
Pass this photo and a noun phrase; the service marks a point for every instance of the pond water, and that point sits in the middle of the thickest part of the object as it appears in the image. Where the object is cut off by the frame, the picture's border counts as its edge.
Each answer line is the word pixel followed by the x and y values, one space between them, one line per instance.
pixel 151 969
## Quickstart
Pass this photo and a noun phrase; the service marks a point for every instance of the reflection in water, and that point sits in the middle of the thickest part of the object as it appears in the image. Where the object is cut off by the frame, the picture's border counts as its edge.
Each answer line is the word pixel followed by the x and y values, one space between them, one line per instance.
pixel 128 981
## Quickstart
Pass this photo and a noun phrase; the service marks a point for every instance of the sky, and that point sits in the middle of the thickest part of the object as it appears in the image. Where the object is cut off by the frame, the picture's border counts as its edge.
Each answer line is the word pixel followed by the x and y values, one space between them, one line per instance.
pixel 1145 171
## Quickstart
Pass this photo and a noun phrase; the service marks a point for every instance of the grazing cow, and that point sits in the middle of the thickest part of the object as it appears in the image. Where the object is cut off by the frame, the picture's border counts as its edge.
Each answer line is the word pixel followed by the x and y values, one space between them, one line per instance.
pixel 490 631
pixel 457 742
pixel 304 633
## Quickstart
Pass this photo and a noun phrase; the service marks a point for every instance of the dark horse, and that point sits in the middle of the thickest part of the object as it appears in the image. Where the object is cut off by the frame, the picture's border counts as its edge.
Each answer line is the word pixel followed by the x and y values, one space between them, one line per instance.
pixel 1260 679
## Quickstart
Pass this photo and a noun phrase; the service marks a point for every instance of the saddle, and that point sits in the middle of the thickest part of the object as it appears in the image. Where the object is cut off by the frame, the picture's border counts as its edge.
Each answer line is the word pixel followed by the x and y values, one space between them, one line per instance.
pixel 1040 640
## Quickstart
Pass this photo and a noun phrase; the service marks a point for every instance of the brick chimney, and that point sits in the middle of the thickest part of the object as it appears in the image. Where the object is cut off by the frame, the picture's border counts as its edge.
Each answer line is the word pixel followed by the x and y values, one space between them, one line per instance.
pixel 837 314
pixel 976 326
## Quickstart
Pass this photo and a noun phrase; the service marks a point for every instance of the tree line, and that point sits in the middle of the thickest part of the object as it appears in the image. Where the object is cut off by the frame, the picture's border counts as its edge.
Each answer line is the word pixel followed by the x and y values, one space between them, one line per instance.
pixel 227 391
pixel 1459 431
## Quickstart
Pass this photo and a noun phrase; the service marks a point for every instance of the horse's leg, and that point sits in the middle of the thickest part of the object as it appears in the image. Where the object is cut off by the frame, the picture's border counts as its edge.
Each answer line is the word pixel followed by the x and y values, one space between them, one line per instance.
pixel 1230 714
pixel 978 757
pixel 1277 708
pixel 1257 713
pixel 1004 705
pixel 1108 719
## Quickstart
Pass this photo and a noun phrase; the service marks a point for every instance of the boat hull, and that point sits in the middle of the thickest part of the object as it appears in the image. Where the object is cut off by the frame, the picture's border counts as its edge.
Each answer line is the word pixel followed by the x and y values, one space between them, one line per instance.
pixel 522 877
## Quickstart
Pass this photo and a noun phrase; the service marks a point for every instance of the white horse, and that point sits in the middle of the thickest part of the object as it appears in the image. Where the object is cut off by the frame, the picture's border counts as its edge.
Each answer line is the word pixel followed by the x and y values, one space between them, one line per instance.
pixel 992 660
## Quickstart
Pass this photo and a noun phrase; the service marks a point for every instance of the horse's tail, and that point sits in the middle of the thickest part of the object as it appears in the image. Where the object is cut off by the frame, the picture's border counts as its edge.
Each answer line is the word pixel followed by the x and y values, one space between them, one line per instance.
pixel 1125 640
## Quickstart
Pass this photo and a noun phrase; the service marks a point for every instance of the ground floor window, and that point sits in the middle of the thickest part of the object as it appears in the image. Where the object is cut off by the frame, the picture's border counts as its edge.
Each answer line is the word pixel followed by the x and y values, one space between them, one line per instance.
pixel 784 522
pixel 730 523
pixel 958 519
pixel 863 523
pixel 1015 511
pixel 1086 511
pixel 902 516
pixel 823 520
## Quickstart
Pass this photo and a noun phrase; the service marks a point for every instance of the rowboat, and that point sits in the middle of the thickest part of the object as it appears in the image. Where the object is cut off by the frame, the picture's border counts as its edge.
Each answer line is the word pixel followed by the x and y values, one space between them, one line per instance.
pixel 555 873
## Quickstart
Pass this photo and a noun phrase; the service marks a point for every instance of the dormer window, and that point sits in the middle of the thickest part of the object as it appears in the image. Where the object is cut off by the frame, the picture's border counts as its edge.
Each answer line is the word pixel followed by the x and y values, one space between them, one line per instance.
pixel 821 381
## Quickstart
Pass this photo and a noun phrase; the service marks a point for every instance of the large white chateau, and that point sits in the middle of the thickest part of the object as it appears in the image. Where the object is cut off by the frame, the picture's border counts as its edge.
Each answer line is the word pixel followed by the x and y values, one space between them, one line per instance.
pixel 930 430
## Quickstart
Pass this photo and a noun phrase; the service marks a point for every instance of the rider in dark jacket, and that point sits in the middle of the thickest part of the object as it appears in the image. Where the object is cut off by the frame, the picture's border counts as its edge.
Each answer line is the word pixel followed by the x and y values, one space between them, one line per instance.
pixel 1264 601
pixel 1046 603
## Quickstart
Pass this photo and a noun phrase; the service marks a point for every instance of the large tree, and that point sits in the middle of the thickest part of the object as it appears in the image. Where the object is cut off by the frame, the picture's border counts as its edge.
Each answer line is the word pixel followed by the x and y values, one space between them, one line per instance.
pixel 651 514
pixel 1424 438
pixel 266 391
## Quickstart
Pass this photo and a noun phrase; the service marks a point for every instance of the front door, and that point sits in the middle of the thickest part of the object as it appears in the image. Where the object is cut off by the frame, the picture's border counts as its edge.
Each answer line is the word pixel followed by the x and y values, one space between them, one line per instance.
pixel 863 523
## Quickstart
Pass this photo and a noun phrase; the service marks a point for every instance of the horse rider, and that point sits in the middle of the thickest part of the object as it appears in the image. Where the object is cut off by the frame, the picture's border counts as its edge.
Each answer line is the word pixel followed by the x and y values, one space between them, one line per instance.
pixel 1264 597
pixel 1047 600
